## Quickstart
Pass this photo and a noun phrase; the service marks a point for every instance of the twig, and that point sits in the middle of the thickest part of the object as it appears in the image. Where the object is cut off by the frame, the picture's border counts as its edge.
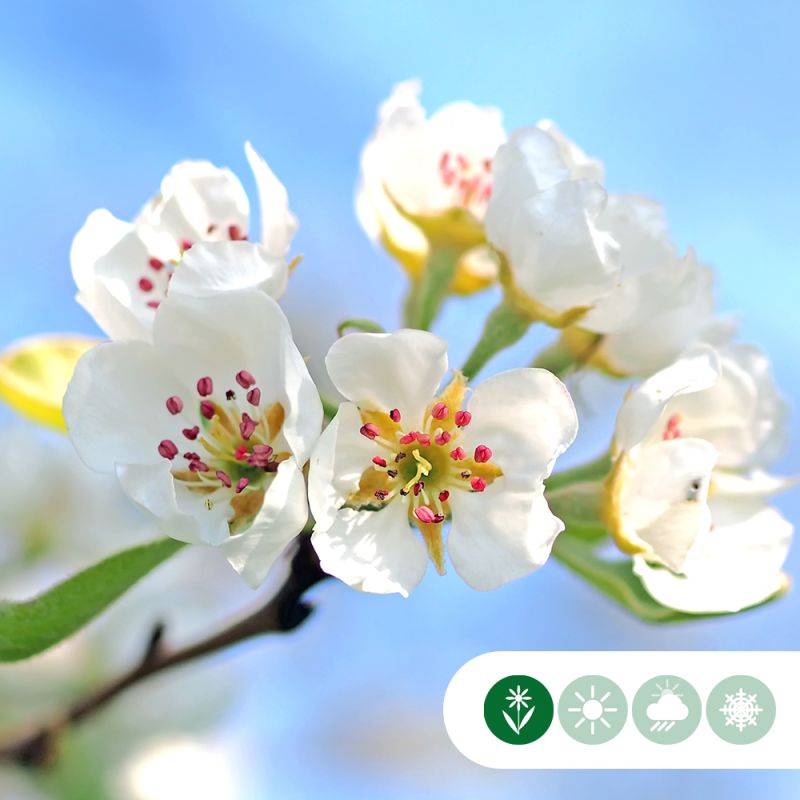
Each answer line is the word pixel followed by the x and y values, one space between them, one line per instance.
pixel 283 612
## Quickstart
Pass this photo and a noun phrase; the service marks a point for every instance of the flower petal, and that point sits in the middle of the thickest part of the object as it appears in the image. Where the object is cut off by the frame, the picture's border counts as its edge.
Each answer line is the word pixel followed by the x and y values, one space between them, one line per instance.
pixel 374 551
pixel 500 534
pixel 283 515
pixel 383 371
pixel 278 224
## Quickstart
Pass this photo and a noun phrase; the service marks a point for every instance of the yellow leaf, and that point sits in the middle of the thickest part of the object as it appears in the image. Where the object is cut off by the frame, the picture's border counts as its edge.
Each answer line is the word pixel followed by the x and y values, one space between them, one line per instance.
pixel 34 374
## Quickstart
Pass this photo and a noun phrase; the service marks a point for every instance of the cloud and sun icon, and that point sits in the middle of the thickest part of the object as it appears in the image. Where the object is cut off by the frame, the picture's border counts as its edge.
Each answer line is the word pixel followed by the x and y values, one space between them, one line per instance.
pixel 669 708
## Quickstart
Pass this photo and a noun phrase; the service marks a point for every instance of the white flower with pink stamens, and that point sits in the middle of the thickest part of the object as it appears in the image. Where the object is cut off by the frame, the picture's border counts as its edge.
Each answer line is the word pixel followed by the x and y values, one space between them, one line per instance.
pixel 404 453
pixel 123 270
pixel 207 427
pixel 543 216
pixel 687 492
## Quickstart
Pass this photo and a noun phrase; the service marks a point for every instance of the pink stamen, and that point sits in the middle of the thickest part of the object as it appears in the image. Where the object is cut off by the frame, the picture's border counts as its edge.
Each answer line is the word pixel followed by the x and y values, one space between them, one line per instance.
pixel 241 452
pixel 167 449
pixel 254 396
pixel 224 478
pixel 423 439
pixel 418 487
pixel 482 453
pixel 424 514
pixel 261 456
pixel 146 285
pixel 156 264
pixel 478 484
pixel 443 438
pixel 379 462
pixel 174 404
pixel 443 495
pixel 235 233
pixel 186 244
pixel 190 456
pixel 408 438
pixel 191 433
pixel 370 430
pixel 207 409
pixel 440 411
pixel 205 386
pixel 459 454
pixel 245 379
pixel 242 485
pixel 247 426
pixel 463 418
pixel 394 415
pixel 154 304
pixel 198 466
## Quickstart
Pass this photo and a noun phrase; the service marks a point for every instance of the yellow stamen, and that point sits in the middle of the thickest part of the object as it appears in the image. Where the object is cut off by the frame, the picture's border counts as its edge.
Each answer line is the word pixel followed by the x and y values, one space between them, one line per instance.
pixel 424 468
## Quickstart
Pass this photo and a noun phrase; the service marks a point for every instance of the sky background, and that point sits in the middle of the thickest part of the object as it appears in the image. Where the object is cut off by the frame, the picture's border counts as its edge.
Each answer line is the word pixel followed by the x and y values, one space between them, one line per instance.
pixel 695 104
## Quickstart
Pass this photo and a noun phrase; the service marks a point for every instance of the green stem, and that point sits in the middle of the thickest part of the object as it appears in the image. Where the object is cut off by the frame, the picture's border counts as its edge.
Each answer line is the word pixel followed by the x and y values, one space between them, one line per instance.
pixel 579 505
pixel 504 327
pixel 590 471
pixel 428 293
pixel 329 406
pixel 557 358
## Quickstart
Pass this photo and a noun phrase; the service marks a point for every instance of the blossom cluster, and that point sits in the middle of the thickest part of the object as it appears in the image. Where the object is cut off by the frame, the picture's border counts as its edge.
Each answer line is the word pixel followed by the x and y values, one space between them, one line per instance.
pixel 202 405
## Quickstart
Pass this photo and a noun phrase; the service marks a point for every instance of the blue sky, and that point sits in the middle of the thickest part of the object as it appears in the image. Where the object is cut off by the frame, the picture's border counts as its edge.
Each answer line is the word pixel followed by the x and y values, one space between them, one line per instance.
pixel 695 104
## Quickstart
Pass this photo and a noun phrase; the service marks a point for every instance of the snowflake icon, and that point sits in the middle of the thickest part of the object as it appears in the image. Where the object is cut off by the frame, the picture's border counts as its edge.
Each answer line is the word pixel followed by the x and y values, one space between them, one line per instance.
pixel 741 709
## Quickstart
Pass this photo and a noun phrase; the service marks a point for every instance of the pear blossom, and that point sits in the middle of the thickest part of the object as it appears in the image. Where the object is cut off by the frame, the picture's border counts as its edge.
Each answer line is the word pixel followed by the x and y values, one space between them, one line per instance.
pixel 123 270
pixel 663 305
pixel 417 168
pixel 687 491
pixel 402 453
pixel 208 426
pixel 544 216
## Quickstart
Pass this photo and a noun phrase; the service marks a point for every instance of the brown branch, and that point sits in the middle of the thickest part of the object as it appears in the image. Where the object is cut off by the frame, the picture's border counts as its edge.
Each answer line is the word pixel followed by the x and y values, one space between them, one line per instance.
pixel 283 612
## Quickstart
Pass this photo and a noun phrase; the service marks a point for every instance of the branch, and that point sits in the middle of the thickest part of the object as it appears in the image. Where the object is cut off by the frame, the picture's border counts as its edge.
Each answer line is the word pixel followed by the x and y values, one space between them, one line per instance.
pixel 283 612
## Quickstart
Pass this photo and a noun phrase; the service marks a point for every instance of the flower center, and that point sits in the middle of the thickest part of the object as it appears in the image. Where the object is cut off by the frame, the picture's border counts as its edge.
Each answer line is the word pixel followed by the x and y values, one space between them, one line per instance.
pixel 154 284
pixel 231 445
pixel 470 181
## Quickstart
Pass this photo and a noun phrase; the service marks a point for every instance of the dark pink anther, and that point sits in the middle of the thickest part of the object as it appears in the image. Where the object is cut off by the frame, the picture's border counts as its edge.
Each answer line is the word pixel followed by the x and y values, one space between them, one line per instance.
pixel 154 304
pixel 207 409
pixel 186 244
pixel 190 456
pixel 254 396
pixel 463 418
pixel 459 454
pixel 224 478
pixel 235 233
pixel 482 453
pixel 241 452
pixel 418 487
pixel 245 379
pixel 478 484
pixel 399 457
pixel 174 404
pixel 440 411
pixel 230 394
pixel 247 426
pixel 261 456
pixel 443 495
pixel 381 494
pixel 424 514
pixel 167 449
pixel 465 474
pixel 198 466
pixel 443 438
pixel 394 415
pixel 241 485
pixel 205 386
pixel 423 439
pixel 156 264
pixel 191 433
pixel 408 438
pixel 370 431
pixel 392 473
pixel 146 285
pixel 379 462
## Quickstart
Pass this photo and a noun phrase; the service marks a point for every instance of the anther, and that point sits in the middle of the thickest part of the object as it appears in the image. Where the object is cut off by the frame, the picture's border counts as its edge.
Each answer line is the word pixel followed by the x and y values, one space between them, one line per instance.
pixel 392 473
pixel 241 485
pixel 478 484
pixel 245 379
pixel 378 461
pixel 191 433
pixel 443 495
pixel 191 456
pixel 424 514
pixel 440 411
pixel 261 456
pixel 146 285
pixel 224 479
pixel 482 453
pixel 156 264
pixel 174 404
pixel 418 487
pixel 443 438
pixel 154 304
pixel 186 244
pixel 205 386
pixel 459 454
pixel 408 438
pixel 241 452
pixel 247 426
pixel 207 409
pixel 463 418
pixel 198 466
pixel 235 233
pixel 394 415
pixel 423 439
pixel 254 396
pixel 370 430
pixel 230 394
pixel 465 474
pixel 381 494
pixel 399 457
pixel 167 449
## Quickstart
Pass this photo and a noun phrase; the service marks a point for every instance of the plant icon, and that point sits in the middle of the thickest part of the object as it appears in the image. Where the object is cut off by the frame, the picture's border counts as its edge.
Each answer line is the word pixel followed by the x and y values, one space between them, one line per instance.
pixel 518 709
pixel 520 700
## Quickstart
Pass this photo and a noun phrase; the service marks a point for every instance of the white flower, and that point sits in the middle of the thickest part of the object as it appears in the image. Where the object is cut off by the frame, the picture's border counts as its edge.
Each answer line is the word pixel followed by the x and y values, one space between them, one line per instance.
pixel 687 489
pixel 208 426
pixel 664 303
pixel 428 166
pixel 399 453
pixel 123 270
pixel 544 216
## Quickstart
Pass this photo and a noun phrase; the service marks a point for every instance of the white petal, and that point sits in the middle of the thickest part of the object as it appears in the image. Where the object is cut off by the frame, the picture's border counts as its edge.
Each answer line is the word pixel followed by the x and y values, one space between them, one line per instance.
pixel 383 371
pixel 527 418
pixel 285 512
pixel 663 500
pixel 640 412
pixel 375 551
pixel 278 224
pixel 500 534
pixel 337 464
pixel 211 267
pixel 734 566
pixel 755 484
pixel 578 163
pixel 112 401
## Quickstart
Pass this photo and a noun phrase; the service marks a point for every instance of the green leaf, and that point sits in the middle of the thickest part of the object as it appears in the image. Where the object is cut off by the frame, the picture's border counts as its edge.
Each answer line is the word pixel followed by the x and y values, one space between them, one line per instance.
pixel 504 327
pixel 358 324
pixel 427 294
pixel 32 626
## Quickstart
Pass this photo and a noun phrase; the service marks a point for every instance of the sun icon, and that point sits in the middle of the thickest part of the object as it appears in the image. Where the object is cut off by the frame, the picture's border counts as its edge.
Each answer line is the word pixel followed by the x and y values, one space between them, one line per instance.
pixel 592 709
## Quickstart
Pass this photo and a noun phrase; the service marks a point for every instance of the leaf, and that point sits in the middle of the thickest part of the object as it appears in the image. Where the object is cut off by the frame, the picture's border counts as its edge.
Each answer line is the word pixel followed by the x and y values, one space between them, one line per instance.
pixel 358 324
pixel 526 718
pixel 34 374
pixel 510 722
pixel 32 626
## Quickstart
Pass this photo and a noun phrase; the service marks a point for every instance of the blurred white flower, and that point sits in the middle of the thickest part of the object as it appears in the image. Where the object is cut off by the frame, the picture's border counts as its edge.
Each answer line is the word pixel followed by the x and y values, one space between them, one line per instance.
pixel 208 426
pixel 399 453
pixel 427 168
pixel 687 491
pixel 544 215
pixel 123 270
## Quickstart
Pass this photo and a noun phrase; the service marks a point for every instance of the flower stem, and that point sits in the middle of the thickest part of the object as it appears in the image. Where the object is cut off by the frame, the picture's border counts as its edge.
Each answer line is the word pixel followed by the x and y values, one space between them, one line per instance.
pixel 592 470
pixel 504 327
pixel 428 293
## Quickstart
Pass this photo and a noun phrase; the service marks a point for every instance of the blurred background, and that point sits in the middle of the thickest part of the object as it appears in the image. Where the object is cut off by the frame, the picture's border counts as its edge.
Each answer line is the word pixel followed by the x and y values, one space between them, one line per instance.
pixel 692 103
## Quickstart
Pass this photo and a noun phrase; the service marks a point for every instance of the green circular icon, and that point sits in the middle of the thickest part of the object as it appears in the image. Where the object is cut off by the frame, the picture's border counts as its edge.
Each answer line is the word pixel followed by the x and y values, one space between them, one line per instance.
pixel 667 709
pixel 518 709
pixel 740 709
pixel 592 709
